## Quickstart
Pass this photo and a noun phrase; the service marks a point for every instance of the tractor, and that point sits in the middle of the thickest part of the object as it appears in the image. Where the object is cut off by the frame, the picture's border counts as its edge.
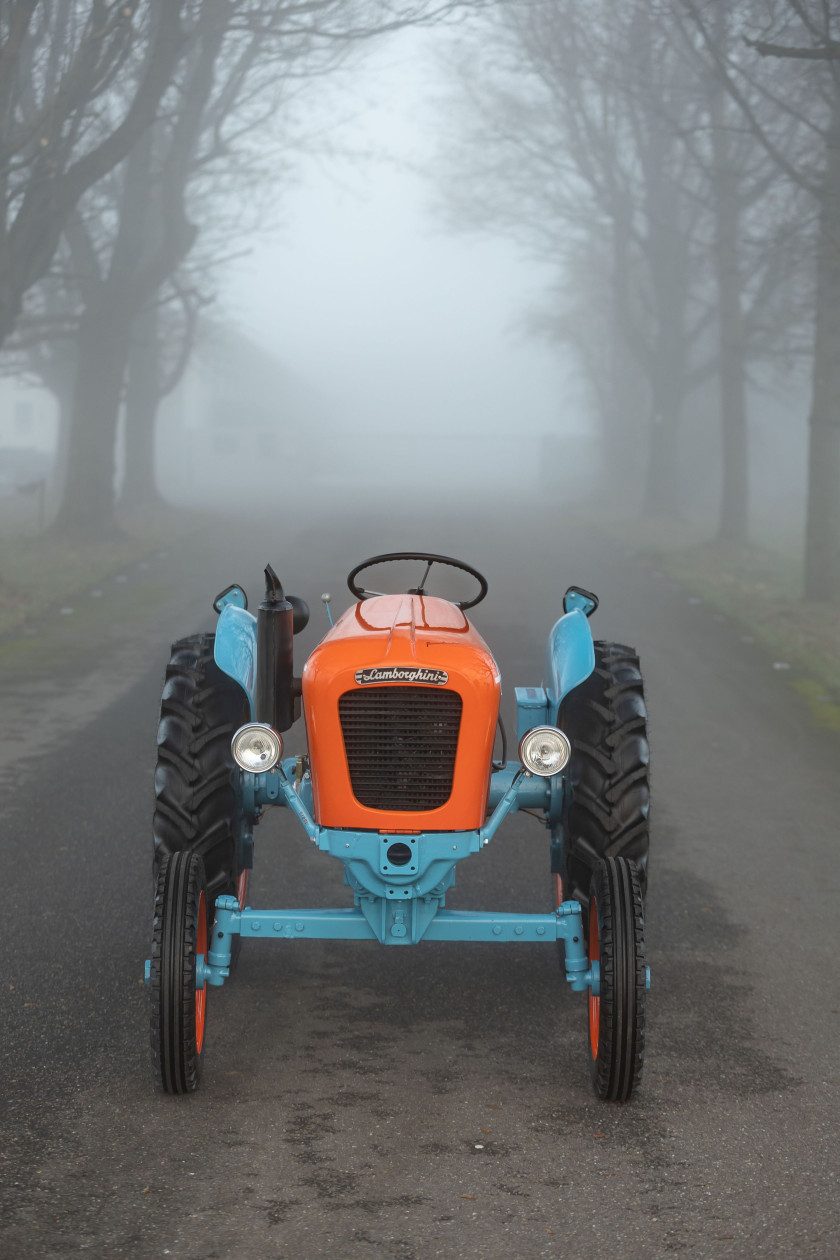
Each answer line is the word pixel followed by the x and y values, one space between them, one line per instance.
pixel 401 706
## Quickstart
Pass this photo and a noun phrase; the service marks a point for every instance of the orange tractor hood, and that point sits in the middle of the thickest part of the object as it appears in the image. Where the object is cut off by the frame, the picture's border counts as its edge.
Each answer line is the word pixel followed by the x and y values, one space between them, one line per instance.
pixel 424 646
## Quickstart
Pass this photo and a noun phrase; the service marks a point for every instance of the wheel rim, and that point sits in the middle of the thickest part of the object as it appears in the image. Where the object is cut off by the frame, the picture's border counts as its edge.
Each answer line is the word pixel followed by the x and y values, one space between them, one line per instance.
pixel 201 994
pixel 594 956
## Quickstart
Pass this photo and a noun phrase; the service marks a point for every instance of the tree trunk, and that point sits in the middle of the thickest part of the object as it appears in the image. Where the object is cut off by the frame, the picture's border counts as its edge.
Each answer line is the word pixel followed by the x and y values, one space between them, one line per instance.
pixel 623 389
pixel 662 496
pixel 103 347
pixel 668 382
pixel 624 407
pixel 141 405
pixel 666 248
pixel 733 525
pixel 822 536
pixel 56 371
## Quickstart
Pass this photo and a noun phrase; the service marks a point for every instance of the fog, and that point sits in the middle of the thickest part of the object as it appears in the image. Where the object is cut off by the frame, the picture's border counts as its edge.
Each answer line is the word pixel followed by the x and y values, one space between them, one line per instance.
pixel 356 342
pixel 402 355
pixel 533 287
pixel 407 341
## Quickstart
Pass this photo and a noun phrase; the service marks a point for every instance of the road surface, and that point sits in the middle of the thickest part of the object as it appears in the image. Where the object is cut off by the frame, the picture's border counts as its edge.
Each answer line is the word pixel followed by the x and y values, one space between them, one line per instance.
pixel 366 1103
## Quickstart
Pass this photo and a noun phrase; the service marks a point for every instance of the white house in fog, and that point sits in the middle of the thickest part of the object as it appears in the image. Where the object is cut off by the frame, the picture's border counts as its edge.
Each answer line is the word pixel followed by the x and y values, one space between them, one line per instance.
pixel 28 417
pixel 235 421
pixel 28 434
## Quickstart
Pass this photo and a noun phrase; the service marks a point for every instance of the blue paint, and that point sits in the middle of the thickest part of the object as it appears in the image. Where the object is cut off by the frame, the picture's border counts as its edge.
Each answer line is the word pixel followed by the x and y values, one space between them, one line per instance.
pixel 305 793
pixel 399 880
pixel 353 924
pixel 235 650
pixel 532 792
pixel 396 869
pixel 429 871
pixel 570 658
pixel 271 787
pixel 205 973
pixel 277 787
pixel 531 710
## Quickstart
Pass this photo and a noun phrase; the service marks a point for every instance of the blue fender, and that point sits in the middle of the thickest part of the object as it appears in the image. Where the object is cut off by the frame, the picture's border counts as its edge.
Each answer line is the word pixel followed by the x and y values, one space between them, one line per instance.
pixel 570 658
pixel 235 651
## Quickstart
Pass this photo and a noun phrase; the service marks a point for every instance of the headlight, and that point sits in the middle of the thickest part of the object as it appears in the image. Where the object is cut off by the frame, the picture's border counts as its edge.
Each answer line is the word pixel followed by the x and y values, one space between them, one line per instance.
pixel 544 750
pixel 256 747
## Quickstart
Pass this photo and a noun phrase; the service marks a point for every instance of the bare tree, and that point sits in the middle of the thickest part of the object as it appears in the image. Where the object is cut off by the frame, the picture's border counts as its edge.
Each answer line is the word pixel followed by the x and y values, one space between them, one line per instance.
pixel 119 273
pixel 129 235
pixel 59 60
pixel 795 68
pixel 608 124
pixel 757 233
pixel 576 157
pixel 163 338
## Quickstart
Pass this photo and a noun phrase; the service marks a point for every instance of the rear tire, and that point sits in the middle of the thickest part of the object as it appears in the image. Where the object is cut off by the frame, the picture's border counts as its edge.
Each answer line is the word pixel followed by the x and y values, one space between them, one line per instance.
pixel 609 798
pixel 178 1007
pixel 197 805
pixel 617 1015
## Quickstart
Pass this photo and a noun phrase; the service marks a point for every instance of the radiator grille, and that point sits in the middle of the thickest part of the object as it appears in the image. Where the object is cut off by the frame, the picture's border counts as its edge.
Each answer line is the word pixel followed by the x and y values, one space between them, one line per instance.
pixel 401 744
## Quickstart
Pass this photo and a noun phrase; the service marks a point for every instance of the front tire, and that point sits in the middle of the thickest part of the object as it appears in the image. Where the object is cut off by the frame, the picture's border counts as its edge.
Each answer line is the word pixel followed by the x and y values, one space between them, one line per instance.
pixel 609 773
pixel 178 1007
pixel 196 801
pixel 617 1012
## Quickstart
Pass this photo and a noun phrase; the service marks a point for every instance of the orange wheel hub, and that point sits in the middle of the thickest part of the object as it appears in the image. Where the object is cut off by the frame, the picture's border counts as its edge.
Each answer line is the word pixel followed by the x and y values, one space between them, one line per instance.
pixel 201 994
pixel 594 1002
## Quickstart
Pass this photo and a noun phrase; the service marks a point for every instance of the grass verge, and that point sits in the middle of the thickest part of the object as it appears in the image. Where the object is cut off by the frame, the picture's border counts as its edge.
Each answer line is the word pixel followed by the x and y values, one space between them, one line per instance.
pixel 759 590
pixel 39 574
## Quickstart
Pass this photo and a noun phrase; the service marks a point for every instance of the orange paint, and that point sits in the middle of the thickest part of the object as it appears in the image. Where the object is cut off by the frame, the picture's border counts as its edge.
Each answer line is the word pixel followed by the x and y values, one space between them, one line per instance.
pixel 201 994
pixel 401 631
pixel 594 1002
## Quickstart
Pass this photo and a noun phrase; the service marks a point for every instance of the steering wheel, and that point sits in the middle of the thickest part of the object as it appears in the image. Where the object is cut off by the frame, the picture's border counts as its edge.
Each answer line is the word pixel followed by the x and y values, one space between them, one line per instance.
pixel 430 559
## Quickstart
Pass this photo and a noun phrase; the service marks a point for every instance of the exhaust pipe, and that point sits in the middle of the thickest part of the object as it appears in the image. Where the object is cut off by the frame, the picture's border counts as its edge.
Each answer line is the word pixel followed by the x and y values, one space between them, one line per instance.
pixel 277 690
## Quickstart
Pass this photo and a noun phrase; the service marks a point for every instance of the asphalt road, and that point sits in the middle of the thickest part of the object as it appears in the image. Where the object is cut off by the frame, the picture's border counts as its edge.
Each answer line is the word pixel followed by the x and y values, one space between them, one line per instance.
pixel 366 1103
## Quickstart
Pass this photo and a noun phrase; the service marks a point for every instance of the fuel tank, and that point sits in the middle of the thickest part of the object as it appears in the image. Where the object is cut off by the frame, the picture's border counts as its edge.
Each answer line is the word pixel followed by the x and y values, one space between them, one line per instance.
pixel 401 700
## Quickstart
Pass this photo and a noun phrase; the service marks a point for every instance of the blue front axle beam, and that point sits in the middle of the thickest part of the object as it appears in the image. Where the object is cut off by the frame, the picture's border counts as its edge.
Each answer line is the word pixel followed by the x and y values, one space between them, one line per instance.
pixel 351 924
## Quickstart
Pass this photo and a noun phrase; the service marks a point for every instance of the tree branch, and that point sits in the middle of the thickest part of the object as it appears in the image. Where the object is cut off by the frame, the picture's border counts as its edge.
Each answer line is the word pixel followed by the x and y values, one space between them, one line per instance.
pixel 830 51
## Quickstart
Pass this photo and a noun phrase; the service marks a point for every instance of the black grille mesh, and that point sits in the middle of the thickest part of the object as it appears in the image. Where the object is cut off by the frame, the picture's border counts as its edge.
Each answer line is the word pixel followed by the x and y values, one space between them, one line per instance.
pixel 400 744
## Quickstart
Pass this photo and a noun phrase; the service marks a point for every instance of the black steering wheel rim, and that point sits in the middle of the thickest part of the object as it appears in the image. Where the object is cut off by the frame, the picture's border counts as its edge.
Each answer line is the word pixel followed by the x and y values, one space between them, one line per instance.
pixel 431 558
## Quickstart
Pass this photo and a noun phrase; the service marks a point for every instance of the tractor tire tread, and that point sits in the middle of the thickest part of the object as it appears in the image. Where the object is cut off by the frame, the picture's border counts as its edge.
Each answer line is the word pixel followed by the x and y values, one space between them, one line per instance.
pixel 617 1071
pixel 176 1065
pixel 606 720
pixel 196 804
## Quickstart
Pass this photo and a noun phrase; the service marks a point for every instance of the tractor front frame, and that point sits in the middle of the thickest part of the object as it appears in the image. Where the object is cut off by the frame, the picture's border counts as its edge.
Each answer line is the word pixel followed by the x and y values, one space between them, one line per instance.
pixel 399 880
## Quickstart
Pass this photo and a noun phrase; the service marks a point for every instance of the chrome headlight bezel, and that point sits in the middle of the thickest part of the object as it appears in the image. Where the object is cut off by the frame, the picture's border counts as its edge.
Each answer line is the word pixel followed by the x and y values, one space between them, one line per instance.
pixel 554 736
pixel 257 731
